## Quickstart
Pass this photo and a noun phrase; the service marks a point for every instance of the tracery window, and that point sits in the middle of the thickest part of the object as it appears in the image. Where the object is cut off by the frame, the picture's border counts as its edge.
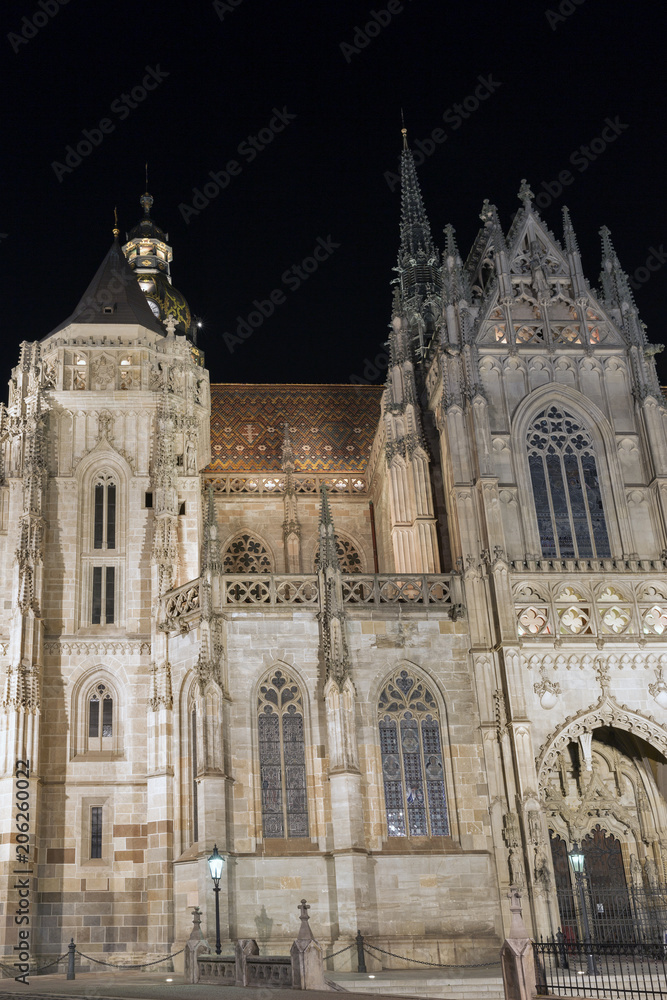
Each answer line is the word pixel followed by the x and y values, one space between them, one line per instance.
pixel 100 718
pixel 348 557
pixel 566 488
pixel 247 554
pixel 412 762
pixel 282 757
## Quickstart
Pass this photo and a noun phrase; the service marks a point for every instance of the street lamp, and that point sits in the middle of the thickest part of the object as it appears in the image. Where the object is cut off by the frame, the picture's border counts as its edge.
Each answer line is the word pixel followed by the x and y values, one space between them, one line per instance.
pixel 578 862
pixel 215 864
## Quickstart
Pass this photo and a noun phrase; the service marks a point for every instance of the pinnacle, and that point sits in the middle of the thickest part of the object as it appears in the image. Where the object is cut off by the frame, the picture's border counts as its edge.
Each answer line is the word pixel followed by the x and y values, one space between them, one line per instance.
pixel 569 235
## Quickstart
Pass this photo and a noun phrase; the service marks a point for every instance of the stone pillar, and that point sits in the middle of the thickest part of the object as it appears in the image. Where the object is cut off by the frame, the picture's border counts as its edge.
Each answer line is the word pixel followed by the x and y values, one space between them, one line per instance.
pixel 516 956
pixel 306 955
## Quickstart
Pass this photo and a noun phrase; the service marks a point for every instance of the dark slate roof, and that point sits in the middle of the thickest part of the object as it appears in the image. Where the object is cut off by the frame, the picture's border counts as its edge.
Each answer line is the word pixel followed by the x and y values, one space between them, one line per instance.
pixel 331 426
pixel 115 284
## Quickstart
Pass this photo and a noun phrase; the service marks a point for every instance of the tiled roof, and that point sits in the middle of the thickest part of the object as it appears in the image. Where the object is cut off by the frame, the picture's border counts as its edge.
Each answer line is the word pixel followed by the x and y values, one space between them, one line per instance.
pixel 331 426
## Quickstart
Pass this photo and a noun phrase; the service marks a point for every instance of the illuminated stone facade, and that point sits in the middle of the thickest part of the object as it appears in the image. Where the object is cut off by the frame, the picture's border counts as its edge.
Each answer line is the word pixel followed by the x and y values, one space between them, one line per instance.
pixel 376 658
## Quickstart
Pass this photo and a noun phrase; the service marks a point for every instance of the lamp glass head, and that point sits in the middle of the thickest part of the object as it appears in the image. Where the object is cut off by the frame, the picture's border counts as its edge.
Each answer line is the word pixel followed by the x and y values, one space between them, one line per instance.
pixel 215 864
pixel 576 859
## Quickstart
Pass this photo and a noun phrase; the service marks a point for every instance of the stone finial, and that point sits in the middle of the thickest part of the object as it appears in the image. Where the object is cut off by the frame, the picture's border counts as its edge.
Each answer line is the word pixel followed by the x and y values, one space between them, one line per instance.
pixel 525 193
pixel 304 930
pixel 171 323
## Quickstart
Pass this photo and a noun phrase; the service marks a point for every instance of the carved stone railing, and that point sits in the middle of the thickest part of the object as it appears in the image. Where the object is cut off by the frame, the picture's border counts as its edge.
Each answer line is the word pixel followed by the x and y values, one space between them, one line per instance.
pixel 181 607
pixel 269 970
pixel 217 969
pixel 260 589
pixel 534 564
pixel 403 589
pixel 182 602
pixel 354 483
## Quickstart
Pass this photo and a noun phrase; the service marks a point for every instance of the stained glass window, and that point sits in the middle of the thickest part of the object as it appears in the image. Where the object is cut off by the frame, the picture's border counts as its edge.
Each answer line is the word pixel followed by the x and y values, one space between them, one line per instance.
pixel 282 757
pixel 412 764
pixel 566 488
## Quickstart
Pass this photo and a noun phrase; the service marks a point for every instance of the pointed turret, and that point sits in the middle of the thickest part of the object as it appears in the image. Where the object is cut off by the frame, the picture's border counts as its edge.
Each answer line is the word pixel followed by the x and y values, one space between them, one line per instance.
pixel 573 256
pixel 211 555
pixel 615 283
pixel 332 616
pixel 455 280
pixel 291 526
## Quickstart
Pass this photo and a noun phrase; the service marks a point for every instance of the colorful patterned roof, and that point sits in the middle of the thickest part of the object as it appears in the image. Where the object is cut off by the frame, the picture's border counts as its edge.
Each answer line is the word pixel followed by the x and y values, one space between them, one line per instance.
pixel 331 426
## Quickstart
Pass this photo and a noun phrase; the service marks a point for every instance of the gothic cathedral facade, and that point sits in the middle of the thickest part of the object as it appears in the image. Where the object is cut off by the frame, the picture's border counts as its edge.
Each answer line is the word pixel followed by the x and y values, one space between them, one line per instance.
pixel 392 649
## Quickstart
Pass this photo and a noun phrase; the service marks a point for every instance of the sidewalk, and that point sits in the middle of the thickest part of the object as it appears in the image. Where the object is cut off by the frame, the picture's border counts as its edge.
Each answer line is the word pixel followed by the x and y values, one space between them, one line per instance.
pixel 139 986
pixel 472 984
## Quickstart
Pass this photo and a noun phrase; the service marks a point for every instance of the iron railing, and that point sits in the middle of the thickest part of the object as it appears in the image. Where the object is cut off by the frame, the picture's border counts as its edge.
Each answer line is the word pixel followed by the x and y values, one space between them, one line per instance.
pixel 633 915
pixel 620 970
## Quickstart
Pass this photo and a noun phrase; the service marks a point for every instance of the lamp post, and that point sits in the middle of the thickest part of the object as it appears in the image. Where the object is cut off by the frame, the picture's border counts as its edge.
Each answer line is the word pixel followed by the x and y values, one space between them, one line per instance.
pixel 578 862
pixel 215 864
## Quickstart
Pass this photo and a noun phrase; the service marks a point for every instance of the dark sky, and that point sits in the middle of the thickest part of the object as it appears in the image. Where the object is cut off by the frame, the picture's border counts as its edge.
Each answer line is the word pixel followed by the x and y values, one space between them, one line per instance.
pixel 223 69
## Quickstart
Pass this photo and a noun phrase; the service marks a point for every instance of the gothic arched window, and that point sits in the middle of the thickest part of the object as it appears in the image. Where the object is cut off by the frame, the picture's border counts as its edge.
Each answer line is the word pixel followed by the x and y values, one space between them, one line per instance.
pixel 282 757
pixel 348 557
pixel 104 516
pixel 247 554
pixel 566 488
pixel 100 718
pixel 412 763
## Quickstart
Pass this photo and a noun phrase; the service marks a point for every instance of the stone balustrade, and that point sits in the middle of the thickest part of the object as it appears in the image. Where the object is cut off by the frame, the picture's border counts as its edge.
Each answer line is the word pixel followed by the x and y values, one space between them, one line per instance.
pixel 181 607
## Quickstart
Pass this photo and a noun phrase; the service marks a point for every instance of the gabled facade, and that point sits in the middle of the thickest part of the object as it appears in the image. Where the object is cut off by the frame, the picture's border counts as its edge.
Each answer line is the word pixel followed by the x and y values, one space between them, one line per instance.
pixel 382 646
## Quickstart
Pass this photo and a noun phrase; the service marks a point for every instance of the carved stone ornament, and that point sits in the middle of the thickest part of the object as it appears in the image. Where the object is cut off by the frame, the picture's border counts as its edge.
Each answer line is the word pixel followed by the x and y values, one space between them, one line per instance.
pixel 606 713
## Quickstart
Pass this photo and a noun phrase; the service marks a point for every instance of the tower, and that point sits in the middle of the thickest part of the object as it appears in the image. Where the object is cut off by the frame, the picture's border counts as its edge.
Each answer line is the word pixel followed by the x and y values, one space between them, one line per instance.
pixel 105 431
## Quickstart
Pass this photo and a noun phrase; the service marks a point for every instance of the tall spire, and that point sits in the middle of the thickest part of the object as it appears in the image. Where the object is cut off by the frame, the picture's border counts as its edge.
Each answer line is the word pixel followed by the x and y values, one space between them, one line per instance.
pixel 419 278
pixel 416 239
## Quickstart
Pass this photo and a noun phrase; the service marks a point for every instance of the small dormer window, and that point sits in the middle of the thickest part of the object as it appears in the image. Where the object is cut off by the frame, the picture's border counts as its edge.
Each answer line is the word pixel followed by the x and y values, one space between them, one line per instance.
pixel 108 310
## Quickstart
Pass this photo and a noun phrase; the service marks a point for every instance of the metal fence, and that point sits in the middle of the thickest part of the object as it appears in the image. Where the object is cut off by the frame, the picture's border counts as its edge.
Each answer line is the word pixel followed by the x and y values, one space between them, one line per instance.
pixel 615 915
pixel 613 970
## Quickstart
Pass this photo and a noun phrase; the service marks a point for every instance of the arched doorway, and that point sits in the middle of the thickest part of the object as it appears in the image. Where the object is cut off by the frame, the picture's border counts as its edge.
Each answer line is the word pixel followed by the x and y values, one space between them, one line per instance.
pixel 608 795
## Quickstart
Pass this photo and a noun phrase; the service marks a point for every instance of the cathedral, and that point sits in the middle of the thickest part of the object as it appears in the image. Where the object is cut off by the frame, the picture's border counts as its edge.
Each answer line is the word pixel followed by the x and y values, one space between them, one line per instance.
pixel 391 649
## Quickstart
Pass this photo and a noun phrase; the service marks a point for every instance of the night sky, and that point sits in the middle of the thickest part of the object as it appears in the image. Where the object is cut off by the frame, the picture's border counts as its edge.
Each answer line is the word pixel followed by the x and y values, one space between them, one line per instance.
pixel 323 95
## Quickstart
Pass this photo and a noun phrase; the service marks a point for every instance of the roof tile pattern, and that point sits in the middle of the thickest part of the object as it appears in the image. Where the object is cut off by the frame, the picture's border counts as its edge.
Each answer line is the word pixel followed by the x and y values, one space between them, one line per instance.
pixel 331 426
